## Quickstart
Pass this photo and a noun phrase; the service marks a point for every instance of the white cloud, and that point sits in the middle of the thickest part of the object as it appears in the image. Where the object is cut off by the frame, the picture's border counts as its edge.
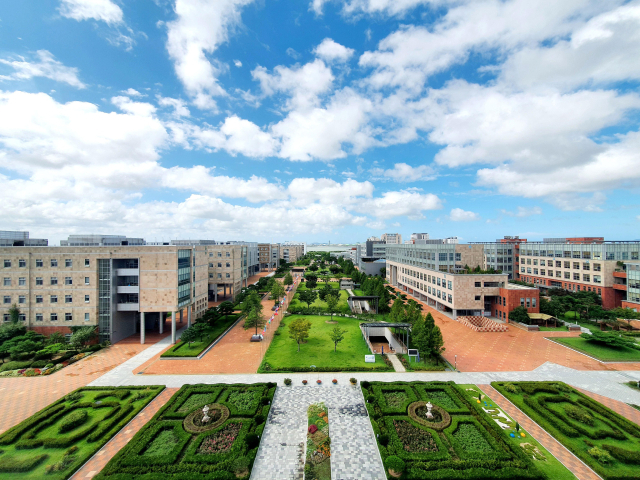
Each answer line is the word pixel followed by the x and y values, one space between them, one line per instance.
pixel 102 10
pixel 132 92
pixel 45 66
pixel 373 7
pixel 237 63
pixel 331 51
pixel 407 203
pixel 401 172
pixel 326 191
pixel 136 108
pixel 523 212
pixel 317 5
pixel 237 135
pixel 200 28
pixel 460 215
pixel 179 107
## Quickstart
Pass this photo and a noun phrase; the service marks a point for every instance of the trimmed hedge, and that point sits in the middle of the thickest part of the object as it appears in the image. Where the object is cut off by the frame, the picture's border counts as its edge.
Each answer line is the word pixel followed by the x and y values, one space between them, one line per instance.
pixel 11 465
pixel 75 419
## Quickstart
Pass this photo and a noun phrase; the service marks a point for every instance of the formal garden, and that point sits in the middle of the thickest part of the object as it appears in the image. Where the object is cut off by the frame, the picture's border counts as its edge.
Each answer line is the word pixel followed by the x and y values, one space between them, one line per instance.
pixel 306 343
pixel 32 354
pixel 601 438
pixel 203 432
pixel 59 439
pixel 437 430
pixel 317 465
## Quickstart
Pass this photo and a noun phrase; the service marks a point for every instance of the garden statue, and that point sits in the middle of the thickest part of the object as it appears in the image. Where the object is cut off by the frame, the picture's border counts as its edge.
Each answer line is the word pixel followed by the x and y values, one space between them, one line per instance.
pixel 429 407
pixel 206 417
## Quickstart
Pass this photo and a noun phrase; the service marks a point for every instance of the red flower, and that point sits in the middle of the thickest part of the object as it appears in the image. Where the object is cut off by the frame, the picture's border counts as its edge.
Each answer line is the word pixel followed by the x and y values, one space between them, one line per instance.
pixel 313 428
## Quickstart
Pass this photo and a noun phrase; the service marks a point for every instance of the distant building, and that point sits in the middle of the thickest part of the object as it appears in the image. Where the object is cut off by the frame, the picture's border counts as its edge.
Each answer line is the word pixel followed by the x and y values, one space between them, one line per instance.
pixel 392 238
pixel 100 241
pixel 10 238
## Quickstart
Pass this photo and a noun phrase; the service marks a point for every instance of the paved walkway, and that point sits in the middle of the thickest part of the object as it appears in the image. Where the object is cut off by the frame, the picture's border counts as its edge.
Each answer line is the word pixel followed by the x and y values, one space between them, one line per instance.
pixel 354 453
pixel 96 463
pixel 568 459
pixel 615 405
pixel 397 365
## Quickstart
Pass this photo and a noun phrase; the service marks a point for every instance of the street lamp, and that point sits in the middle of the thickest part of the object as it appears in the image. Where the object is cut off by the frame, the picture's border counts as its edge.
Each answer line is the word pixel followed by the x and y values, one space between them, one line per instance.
pixel 455 357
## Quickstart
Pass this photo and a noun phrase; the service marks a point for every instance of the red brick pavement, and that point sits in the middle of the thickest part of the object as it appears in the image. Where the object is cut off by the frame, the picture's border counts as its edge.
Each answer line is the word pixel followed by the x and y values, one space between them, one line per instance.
pixel 568 459
pixel 615 405
pixel 113 446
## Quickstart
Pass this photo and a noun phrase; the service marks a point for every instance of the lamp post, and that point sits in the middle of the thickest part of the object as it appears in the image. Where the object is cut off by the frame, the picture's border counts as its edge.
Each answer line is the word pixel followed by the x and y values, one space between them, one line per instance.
pixel 455 359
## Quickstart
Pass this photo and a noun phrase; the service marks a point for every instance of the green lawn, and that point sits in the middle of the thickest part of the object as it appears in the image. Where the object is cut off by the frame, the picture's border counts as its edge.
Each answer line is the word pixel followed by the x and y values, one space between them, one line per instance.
pixel 600 351
pixel 181 349
pixel 343 306
pixel 283 353
pixel 40 443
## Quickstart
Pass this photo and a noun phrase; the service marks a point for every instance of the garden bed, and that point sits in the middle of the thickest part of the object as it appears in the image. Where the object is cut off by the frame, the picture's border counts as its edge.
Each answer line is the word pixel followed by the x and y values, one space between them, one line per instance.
pixel 460 442
pixel 59 439
pixel 223 449
pixel 599 351
pixel 183 349
pixel 601 438
pixel 317 464
pixel 429 366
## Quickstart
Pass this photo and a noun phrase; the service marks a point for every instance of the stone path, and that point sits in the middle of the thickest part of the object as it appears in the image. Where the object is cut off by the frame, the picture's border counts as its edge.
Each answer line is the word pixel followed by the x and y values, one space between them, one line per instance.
pixel 397 365
pixel 354 453
pixel 568 459
pixel 96 463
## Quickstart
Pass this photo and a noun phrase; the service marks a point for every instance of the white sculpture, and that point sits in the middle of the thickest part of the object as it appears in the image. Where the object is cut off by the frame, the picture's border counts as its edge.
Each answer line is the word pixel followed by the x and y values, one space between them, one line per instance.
pixel 429 407
pixel 205 410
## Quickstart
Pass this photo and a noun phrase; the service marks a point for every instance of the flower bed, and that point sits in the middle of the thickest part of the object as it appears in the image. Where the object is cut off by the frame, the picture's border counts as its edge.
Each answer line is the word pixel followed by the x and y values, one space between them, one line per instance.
pixel 318 459
pixel 47 369
pixel 63 436
pixel 604 440
pixel 460 442
pixel 222 448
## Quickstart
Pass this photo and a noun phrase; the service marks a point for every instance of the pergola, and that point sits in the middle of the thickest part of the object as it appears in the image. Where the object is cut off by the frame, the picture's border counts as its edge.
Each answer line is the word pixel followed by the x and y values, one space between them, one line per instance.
pixel 371 299
pixel 543 317
pixel 404 326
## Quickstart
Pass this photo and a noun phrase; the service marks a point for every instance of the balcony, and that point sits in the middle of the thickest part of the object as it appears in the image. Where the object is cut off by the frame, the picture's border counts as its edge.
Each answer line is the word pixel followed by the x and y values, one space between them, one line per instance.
pixel 128 289
pixel 619 274
pixel 128 307
pixel 128 272
pixel 620 286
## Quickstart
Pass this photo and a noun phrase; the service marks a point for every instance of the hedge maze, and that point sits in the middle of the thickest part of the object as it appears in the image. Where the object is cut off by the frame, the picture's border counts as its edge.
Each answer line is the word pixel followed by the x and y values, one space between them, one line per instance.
pixel 178 444
pixel 459 442
pixel 59 439
pixel 601 438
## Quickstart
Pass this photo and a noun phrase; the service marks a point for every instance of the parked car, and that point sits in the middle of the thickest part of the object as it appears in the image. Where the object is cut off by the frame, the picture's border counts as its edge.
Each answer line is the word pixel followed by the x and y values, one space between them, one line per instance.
pixel 257 338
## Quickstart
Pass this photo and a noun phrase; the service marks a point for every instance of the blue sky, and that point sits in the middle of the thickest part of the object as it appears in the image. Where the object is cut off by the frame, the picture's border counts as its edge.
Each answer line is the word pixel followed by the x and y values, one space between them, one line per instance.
pixel 320 120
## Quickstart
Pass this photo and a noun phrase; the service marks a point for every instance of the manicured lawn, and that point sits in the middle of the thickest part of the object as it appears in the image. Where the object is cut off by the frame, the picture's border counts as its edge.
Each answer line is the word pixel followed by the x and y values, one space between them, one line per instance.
pixel 600 351
pixel 342 307
pixel 182 349
pixel 176 444
pixel 604 440
pixel 462 441
pixel 59 439
pixel 283 353
pixel 430 365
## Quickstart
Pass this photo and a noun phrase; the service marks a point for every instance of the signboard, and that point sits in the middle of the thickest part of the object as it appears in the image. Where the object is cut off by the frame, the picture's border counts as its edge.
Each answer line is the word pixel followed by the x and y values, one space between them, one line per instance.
pixel 370 359
pixel 413 352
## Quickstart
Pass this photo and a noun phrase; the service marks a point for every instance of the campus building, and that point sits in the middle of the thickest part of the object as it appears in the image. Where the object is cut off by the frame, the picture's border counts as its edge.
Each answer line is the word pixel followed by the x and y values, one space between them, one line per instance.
pixel 627 280
pixel 100 241
pixel 392 238
pixel 433 273
pixel 10 238
pixel 228 269
pixel 291 251
pixel 268 256
pixel 123 290
pixel 503 255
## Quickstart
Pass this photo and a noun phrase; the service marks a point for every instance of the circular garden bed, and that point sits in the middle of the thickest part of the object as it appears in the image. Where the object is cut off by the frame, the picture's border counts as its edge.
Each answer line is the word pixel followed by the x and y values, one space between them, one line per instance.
pixel 218 414
pixel 418 412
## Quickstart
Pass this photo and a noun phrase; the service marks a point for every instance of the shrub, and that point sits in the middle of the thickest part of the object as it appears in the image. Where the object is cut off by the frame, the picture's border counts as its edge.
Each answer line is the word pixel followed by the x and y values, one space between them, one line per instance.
pixel 73 396
pixel 270 385
pixel 579 414
pixel 73 420
pixel 258 419
pixel 371 398
pixel 240 465
pixel 353 380
pixel 626 456
pixel 265 400
pixel 287 381
pixel 384 439
pixel 365 384
pixel 601 456
pixel 9 464
pixel 39 364
pixel 395 463
pixel 510 387
pixel 252 440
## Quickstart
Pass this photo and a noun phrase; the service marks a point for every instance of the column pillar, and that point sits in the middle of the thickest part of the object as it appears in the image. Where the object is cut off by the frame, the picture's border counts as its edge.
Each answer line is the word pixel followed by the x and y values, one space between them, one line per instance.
pixel 173 327
pixel 189 316
pixel 142 325
pixel 161 322
pixel 180 315
pixel 216 293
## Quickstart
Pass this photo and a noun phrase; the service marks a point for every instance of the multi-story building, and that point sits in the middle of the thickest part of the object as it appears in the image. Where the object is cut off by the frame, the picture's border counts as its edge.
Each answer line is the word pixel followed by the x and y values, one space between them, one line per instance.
pixel 100 241
pixel 268 256
pixel 579 266
pixel 630 279
pixel 122 290
pixel 432 273
pixel 416 237
pixel 503 255
pixel 374 248
pixel 392 238
pixel 20 239
pixel 228 268
pixel 291 251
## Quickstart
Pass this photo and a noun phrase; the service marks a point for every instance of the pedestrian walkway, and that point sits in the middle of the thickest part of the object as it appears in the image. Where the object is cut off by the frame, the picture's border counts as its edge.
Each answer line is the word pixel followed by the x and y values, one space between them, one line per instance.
pixel 397 365
pixel 354 452
pixel 568 459
pixel 96 463
pixel 618 407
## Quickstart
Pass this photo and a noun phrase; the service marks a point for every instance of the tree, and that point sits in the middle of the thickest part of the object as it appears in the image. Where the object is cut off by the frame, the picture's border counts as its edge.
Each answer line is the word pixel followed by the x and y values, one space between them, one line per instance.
pixel 255 319
pixel 519 314
pixel 82 335
pixel 332 304
pixel 326 291
pixel 226 308
pixel 420 338
pixel 336 335
pixel 56 337
pixel 277 291
pixel 312 281
pixel 412 312
pixel 200 329
pixel 334 269
pixel 313 268
pixel 610 339
pixel 25 346
pixel 299 330
pixel 436 342
pixel 288 279
pixel 252 301
pixel 4 351
pixel 308 296
pixel 397 311
pixel 189 335
pixel 14 314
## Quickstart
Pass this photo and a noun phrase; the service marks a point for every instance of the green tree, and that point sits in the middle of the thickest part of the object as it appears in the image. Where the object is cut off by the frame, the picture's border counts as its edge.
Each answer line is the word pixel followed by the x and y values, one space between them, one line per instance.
pixel 252 301
pixel 226 308
pixel 412 312
pixel 308 296
pixel 299 330
pixel 189 335
pixel 610 339
pixel 255 319
pixel 25 346
pixel 519 314
pixel 277 291
pixel 436 342
pixel 397 314
pixel 313 268
pixel 332 304
pixel 420 338
pixel 336 335
pixel 4 351
pixel 288 279
pixel 82 336
pixel 55 337
pixel 14 314
pixel 200 329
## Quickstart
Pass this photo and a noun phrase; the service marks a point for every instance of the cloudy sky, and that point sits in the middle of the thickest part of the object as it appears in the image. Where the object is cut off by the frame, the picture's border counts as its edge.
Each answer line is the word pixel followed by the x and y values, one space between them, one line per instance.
pixel 320 120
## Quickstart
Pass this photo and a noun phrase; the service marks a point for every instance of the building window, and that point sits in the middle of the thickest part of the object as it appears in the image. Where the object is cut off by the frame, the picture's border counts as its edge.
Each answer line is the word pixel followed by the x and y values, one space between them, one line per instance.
pixel 567 275
pixel 39 317
pixel 211 265
pixel 522 302
pixel 7 299
pixel 528 302
pixel 68 262
pixel 68 281
pixel 219 265
pixel 228 265
pixel 38 298
pixel 543 271
pixel 219 275
pixel 542 263
pixel 86 280
pixel 86 299
pixel 7 281
pixel 535 271
pixel 586 266
pixel 54 262
pixel 22 317
pixel 535 261
pixel 68 299
pixel 229 254
pixel 586 278
pixel 450 298
pixel 597 279
pixel 86 317
pixel 6 317
pixel 53 299
pixel 22 299
pixel 87 262
pixel 211 275
pixel 219 254
pixel 39 262
pixel 68 317
pixel 477 284
pixel 576 276
pixel 576 266
pixel 22 263
pixel 54 280
pixel 596 267
pixel 533 302
pixel 7 264
pixel 450 285
pixel 228 275
pixel 477 298
pixel 528 261
pixel 39 281
pixel 558 264
pixel 529 270
pixel 53 317
pixel 22 281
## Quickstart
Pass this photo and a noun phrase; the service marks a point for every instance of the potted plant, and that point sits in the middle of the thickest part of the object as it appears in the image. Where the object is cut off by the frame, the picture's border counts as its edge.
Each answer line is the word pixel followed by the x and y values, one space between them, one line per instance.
pixel 353 381
pixel 334 381
pixel 287 381
pixel 318 381
pixel 304 382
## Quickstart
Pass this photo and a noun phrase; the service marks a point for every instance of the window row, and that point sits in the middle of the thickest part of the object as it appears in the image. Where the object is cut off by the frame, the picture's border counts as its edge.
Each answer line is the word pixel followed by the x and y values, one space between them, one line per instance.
pixel 227 275
pixel 228 265
pixel 429 278
pixel 559 264
pixel 22 281
pixel 22 299
pixel 22 263
pixel 585 255
pixel 228 254
pixel 430 290
pixel 53 317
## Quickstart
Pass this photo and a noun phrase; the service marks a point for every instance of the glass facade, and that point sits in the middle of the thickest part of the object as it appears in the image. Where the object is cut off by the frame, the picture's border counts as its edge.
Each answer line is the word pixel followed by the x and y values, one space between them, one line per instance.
pixel 184 277
pixel 104 299
pixel 439 257
pixel 633 282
